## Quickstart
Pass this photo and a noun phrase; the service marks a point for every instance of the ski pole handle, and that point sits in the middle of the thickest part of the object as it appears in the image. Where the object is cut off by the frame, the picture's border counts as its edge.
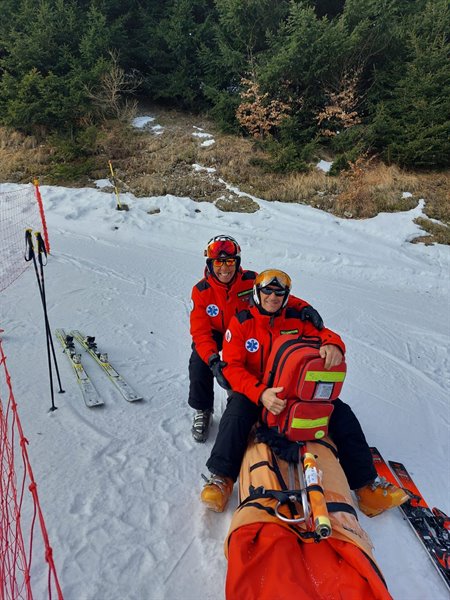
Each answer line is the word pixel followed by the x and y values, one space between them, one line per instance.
pixel 40 243
pixel 29 248
pixel 41 248
pixel 320 518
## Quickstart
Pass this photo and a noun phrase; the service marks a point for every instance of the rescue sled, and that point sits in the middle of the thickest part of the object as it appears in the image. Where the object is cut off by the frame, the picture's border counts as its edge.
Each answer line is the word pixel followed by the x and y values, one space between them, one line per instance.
pixel 274 553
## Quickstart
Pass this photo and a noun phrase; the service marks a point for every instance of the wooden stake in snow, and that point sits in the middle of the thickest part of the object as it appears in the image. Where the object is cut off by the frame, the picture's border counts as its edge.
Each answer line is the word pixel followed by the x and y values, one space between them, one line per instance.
pixel 119 206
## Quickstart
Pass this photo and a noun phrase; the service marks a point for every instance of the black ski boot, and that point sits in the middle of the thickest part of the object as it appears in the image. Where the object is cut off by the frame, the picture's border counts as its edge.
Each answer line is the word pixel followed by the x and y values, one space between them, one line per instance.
pixel 201 424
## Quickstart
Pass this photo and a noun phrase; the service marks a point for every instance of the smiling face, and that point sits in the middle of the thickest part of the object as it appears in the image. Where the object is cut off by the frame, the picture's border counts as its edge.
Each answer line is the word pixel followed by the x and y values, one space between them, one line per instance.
pixel 270 302
pixel 223 271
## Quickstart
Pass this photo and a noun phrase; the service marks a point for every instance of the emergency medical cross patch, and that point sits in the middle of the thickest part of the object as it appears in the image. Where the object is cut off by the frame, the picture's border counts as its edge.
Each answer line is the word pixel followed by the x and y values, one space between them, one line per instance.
pixel 252 345
pixel 212 310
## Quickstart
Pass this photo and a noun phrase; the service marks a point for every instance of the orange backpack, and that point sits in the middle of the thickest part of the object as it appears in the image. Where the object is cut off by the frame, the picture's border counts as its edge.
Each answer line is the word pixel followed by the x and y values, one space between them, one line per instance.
pixel 295 364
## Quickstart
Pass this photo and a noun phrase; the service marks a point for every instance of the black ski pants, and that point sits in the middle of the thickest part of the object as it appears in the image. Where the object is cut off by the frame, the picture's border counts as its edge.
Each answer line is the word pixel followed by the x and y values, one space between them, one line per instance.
pixel 201 379
pixel 241 414
pixel 353 451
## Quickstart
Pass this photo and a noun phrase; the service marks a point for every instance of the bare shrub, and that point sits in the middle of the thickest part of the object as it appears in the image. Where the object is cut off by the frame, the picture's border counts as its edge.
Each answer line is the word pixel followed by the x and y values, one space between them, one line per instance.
pixel 258 114
pixel 341 110
pixel 370 187
pixel 114 84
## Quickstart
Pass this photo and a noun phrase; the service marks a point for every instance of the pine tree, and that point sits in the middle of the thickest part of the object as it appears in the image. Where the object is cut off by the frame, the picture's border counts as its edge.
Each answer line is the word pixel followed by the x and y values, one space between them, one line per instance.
pixel 418 107
pixel 239 33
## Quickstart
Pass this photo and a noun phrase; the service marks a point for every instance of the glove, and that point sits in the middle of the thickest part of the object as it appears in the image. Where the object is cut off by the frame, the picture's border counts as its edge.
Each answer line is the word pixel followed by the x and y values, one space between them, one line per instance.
pixel 308 313
pixel 216 365
pixel 284 448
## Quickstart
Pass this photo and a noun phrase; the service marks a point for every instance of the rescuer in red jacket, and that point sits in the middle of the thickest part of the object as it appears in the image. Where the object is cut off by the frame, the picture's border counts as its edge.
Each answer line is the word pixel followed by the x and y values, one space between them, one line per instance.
pixel 223 292
pixel 247 345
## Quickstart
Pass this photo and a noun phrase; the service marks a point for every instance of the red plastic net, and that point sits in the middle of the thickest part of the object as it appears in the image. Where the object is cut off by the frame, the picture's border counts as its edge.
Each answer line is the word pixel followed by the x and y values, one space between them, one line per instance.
pixel 16 475
pixel 20 210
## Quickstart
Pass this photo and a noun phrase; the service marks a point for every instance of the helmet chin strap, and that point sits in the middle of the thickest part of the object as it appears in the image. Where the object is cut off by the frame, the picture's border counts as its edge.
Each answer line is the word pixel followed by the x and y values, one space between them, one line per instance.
pixel 266 313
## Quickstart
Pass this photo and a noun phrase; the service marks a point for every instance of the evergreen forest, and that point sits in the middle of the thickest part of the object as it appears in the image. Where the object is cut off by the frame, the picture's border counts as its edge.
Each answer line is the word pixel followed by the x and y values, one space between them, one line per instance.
pixel 357 77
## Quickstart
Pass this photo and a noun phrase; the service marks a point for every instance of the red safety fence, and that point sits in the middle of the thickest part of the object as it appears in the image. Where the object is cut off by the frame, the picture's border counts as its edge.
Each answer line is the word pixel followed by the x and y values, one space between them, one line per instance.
pixel 16 475
pixel 20 209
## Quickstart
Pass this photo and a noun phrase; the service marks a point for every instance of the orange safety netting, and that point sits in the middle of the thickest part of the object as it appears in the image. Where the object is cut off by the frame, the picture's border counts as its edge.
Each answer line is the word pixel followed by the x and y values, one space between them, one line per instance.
pixel 16 538
pixel 20 210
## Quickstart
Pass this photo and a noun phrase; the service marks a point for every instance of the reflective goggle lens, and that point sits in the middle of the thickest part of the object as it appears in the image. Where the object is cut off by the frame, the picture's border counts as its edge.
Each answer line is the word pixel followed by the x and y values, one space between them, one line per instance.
pixel 273 277
pixel 221 247
pixel 268 291
pixel 229 262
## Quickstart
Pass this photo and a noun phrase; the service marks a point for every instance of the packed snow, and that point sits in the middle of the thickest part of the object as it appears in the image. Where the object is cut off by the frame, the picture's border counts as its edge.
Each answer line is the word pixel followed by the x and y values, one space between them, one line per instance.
pixel 119 484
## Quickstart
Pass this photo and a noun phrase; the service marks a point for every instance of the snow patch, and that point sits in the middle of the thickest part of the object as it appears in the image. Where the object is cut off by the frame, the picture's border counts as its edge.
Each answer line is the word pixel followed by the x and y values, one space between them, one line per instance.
pixel 197 167
pixel 324 165
pixel 141 122
pixel 200 134
pixel 102 183
pixel 144 123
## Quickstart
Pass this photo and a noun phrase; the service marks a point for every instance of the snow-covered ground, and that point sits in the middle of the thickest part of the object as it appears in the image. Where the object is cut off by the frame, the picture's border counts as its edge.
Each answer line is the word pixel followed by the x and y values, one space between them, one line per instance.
pixel 119 485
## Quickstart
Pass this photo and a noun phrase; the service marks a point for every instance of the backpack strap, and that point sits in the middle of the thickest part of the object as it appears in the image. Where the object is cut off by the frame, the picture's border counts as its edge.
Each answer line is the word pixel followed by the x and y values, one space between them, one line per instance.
pixel 283 350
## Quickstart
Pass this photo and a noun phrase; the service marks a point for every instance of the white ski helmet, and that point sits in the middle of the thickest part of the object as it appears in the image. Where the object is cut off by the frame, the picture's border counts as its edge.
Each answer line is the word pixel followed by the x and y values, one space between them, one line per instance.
pixel 274 278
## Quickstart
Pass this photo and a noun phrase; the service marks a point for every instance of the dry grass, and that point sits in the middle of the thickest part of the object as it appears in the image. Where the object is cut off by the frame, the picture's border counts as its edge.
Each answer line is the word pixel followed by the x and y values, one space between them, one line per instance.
pixel 21 157
pixel 437 232
pixel 148 165
pixel 435 189
pixel 371 187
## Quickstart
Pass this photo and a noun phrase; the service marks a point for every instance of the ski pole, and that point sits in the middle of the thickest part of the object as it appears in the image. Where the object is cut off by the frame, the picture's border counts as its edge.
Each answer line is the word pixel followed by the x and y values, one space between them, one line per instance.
pixel 30 255
pixel 43 250
pixel 320 519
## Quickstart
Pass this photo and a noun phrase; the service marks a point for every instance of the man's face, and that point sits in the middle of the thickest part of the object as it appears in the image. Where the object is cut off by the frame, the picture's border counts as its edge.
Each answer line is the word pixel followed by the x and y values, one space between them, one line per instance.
pixel 223 271
pixel 269 300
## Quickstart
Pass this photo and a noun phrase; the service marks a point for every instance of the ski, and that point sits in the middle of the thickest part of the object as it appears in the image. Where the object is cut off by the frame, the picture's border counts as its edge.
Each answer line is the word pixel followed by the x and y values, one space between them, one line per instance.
pixel 431 530
pixel 443 519
pixel 429 525
pixel 101 358
pixel 88 391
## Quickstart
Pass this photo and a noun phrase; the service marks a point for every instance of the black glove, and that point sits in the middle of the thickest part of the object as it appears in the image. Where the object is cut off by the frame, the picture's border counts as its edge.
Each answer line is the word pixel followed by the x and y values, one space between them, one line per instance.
pixel 310 314
pixel 284 448
pixel 216 365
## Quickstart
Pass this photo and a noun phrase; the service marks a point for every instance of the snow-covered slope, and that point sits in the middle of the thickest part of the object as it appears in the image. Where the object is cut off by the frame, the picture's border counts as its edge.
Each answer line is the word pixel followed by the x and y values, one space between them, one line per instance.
pixel 119 484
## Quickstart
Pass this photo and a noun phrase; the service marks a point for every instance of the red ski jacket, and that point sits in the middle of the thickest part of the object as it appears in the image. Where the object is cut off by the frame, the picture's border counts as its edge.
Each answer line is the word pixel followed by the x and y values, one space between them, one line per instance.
pixel 248 342
pixel 214 303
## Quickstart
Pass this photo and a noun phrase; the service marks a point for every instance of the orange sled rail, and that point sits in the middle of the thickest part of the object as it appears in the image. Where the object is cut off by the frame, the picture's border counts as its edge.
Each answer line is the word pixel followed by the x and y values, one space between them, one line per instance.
pixel 269 559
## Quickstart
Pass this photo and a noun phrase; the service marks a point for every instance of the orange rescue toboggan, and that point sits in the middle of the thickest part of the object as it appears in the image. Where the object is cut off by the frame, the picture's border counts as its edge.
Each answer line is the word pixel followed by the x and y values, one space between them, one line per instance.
pixel 295 534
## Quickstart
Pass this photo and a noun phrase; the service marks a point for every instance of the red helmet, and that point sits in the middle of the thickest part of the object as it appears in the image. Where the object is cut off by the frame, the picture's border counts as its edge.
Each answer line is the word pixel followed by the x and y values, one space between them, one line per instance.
pixel 222 246
pixel 274 278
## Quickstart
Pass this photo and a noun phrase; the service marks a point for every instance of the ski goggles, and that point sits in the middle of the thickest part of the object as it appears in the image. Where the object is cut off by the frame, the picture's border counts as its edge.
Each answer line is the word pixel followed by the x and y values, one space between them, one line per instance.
pixel 268 291
pixel 219 262
pixel 275 278
pixel 218 248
